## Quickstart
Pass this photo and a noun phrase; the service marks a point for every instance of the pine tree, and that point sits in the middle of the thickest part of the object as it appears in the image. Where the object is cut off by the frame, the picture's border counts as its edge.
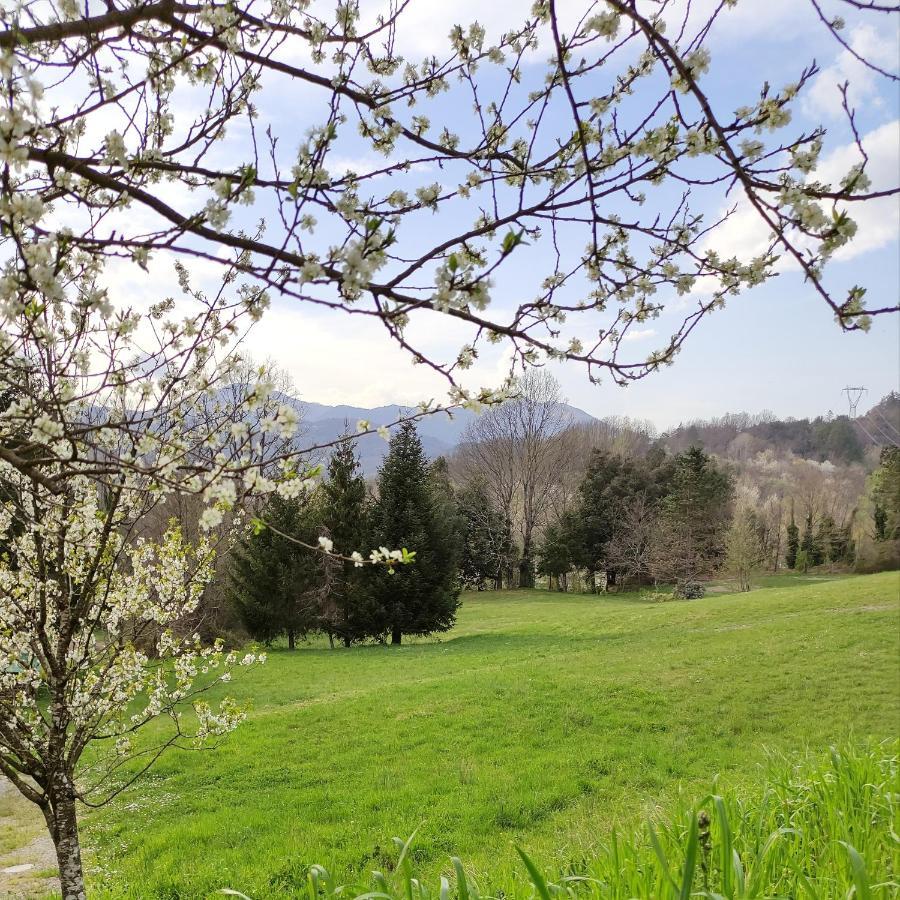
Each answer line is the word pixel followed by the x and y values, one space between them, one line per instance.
pixel 350 612
pixel 793 543
pixel 275 583
pixel 809 545
pixel 694 516
pixel 487 546
pixel 610 486
pixel 555 556
pixel 826 535
pixel 413 511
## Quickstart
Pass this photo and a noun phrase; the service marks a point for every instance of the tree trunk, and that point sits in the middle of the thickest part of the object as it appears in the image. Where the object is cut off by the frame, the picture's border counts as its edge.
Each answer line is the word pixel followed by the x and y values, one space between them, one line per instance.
pixel 347 640
pixel 396 636
pixel 64 829
pixel 291 640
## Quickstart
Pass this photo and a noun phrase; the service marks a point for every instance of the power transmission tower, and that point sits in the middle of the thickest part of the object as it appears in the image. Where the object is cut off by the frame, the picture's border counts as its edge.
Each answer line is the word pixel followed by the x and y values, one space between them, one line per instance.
pixel 854 395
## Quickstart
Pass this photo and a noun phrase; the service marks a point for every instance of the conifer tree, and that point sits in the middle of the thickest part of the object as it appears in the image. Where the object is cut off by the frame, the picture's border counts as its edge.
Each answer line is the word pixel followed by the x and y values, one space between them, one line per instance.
pixel 793 543
pixel 555 555
pixel 694 516
pixel 274 582
pixel 809 545
pixel 349 614
pixel 826 536
pixel 415 510
pixel 487 545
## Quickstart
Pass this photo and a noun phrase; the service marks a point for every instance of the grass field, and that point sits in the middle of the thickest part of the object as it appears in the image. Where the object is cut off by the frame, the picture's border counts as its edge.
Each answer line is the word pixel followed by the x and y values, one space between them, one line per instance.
pixel 542 719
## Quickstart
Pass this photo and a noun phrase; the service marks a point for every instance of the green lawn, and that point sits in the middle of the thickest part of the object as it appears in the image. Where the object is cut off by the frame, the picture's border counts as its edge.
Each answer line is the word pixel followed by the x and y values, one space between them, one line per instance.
pixel 541 718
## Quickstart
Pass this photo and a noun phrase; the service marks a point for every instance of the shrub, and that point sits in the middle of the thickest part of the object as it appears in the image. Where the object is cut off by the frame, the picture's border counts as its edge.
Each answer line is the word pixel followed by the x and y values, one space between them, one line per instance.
pixel 690 590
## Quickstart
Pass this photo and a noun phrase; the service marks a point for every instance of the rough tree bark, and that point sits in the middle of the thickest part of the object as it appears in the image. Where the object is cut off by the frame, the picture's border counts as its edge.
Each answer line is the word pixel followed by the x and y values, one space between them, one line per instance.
pixel 63 824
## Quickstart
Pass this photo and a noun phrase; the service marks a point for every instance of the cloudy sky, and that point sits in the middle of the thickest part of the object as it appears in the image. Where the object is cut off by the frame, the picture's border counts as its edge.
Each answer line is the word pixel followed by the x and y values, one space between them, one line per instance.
pixel 776 347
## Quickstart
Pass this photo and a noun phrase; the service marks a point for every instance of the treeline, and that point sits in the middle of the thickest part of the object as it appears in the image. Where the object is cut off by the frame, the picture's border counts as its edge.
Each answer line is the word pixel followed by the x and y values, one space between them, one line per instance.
pixel 836 439
pixel 591 505
pixel 529 496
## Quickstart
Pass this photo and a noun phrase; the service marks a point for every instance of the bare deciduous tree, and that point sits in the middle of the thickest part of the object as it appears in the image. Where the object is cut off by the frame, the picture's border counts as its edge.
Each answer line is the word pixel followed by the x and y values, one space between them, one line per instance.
pixel 520 447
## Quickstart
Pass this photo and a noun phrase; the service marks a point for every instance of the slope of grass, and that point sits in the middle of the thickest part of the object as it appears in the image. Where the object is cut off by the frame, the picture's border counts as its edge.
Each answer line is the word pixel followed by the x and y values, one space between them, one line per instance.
pixel 820 830
pixel 542 719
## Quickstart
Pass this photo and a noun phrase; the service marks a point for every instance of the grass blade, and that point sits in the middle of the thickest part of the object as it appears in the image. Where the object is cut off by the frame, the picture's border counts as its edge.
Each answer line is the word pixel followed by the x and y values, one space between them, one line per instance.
pixel 537 879
pixel 860 876
pixel 690 861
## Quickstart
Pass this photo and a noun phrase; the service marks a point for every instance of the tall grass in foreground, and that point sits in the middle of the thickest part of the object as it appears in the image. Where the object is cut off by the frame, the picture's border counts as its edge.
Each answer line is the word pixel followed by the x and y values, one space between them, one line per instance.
pixel 816 830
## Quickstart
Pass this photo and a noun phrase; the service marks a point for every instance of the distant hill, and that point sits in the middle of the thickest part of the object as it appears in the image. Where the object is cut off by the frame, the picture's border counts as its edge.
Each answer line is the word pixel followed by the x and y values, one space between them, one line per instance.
pixel 837 439
pixel 440 432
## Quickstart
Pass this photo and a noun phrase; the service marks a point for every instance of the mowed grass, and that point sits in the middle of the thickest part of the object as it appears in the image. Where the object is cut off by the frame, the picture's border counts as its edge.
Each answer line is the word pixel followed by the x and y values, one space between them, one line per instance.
pixel 542 719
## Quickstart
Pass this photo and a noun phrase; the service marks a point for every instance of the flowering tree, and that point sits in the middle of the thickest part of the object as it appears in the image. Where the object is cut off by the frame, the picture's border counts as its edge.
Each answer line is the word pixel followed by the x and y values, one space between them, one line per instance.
pixel 113 125
pixel 118 130
pixel 87 653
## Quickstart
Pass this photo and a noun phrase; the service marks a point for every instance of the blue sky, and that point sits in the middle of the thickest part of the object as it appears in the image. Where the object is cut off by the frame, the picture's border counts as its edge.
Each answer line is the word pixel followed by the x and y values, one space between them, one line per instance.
pixel 776 347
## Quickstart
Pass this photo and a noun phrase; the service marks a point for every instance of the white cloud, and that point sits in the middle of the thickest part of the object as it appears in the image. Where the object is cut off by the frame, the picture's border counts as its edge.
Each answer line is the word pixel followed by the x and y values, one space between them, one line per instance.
pixel 639 334
pixel 342 358
pixel 745 235
pixel 880 47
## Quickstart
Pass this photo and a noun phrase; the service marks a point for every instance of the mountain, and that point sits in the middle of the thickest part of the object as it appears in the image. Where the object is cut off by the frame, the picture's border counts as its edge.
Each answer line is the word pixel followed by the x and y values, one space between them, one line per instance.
pixel 440 432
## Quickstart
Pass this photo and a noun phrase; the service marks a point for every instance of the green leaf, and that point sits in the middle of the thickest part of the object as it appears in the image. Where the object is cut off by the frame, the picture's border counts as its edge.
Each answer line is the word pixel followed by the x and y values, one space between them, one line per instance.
pixel 690 861
pixel 860 876
pixel 536 878
pixel 462 883
pixel 661 856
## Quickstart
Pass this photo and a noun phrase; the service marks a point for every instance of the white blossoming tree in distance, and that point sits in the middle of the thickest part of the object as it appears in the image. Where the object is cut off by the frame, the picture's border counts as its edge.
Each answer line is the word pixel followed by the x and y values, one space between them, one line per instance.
pixel 588 129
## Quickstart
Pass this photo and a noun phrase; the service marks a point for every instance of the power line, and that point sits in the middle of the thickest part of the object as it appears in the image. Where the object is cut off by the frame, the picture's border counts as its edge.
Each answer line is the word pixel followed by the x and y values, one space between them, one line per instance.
pixel 886 422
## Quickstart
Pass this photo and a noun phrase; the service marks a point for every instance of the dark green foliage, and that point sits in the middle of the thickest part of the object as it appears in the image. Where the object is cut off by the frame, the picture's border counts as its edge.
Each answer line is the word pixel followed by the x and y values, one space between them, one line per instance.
pixel 793 544
pixel 555 554
pixel 487 545
pixel 810 545
pixel 885 489
pixel 275 583
pixel 827 535
pixel 694 516
pixel 415 510
pixel 349 610
pixel 610 486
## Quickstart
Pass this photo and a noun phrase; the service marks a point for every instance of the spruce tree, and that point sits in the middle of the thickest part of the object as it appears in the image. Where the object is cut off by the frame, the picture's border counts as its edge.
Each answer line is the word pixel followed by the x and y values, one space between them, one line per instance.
pixel 487 545
pixel 793 543
pixel 809 544
pixel 414 510
pixel 826 535
pixel 555 555
pixel 350 613
pixel 275 583
pixel 694 516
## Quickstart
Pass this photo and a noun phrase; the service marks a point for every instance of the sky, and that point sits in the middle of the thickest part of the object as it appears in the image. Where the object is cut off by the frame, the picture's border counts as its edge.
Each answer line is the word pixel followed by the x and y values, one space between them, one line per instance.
pixel 775 347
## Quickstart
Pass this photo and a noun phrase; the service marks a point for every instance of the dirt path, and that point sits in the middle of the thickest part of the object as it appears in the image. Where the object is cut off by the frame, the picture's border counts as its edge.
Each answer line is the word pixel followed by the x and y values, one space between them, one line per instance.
pixel 27 860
